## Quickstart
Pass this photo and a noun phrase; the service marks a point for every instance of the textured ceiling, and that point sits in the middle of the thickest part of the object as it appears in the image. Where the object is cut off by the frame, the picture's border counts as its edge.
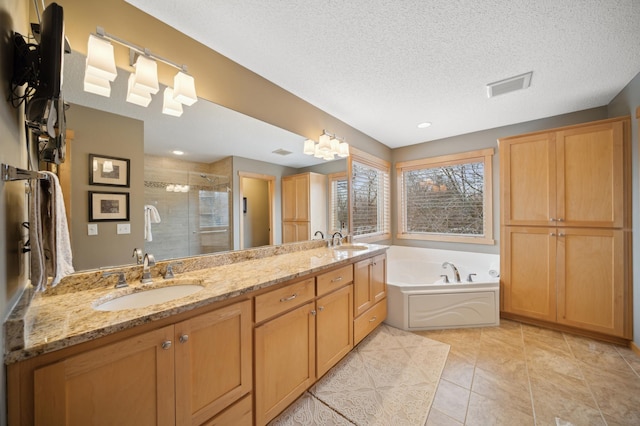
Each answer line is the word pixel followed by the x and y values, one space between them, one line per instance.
pixel 385 66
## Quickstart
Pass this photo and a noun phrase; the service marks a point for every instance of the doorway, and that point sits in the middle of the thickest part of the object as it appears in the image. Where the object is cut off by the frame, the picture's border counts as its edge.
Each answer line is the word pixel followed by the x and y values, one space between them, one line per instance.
pixel 256 209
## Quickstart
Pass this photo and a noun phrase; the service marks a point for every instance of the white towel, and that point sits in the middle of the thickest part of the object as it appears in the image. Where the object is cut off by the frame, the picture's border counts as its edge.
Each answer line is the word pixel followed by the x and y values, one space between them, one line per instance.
pixel 49 233
pixel 151 215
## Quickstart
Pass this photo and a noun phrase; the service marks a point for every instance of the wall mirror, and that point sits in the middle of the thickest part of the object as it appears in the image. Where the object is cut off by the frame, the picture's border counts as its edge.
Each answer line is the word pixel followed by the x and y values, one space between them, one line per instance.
pixel 189 204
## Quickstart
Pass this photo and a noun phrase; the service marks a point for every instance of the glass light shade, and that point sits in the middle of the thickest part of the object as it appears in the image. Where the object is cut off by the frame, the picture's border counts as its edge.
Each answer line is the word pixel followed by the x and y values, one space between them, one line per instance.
pixel 171 106
pixel 309 147
pixel 184 89
pixel 146 75
pixel 100 61
pixel 343 149
pixel 97 85
pixel 334 145
pixel 135 96
pixel 107 166
pixel 328 155
pixel 317 153
pixel 324 143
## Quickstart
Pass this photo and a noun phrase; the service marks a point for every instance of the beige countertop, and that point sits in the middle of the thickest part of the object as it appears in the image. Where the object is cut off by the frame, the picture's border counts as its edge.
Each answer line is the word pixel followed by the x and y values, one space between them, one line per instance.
pixel 62 317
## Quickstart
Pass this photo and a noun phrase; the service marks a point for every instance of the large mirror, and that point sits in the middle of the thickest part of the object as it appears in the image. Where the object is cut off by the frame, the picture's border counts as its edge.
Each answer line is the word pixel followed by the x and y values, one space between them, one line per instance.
pixel 178 205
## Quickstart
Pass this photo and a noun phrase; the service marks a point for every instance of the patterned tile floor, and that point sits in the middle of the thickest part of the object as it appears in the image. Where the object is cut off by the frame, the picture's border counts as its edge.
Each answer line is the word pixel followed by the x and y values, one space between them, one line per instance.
pixel 517 374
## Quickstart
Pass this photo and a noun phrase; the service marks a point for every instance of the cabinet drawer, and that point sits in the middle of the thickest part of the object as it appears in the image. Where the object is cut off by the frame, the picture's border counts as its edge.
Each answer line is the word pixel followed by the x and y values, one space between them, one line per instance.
pixel 334 279
pixel 366 322
pixel 283 299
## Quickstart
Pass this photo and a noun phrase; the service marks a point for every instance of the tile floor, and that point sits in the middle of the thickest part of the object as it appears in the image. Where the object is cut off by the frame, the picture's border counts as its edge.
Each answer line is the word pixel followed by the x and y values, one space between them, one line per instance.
pixel 517 374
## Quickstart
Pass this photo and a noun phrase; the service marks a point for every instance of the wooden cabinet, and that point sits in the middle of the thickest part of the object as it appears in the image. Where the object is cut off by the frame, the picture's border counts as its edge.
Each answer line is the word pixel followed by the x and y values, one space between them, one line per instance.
pixel 181 374
pixel 566 227
pixel 300 334
pixel 304 206
pixel 370 290
pixel 565 177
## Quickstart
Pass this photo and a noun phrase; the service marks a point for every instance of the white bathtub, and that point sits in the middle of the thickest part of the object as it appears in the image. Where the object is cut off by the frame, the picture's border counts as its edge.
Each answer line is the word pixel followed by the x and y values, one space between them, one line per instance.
pixel 418 298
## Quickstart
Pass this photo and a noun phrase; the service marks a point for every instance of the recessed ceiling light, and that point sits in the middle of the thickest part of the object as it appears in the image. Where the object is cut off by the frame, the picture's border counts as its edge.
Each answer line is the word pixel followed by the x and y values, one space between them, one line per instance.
pixel 177 152
pixel 424 125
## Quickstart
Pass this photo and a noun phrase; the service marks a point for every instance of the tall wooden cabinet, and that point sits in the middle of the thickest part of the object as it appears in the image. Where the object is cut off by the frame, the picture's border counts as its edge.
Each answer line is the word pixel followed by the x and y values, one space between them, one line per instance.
pixel 565 216
pixel 304 206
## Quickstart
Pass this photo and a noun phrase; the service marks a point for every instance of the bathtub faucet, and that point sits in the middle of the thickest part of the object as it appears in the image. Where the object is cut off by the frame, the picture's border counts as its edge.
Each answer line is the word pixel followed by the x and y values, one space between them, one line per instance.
pixel 456 274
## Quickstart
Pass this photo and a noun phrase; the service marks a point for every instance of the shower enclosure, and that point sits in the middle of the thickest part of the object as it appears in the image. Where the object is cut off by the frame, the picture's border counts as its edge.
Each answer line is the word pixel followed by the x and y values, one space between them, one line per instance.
pixel 194 210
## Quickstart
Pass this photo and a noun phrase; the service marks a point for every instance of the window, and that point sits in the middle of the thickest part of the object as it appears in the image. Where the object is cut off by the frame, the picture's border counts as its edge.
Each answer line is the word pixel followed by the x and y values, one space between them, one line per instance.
pixel 369 201
pixel 338 201
pixel 447 198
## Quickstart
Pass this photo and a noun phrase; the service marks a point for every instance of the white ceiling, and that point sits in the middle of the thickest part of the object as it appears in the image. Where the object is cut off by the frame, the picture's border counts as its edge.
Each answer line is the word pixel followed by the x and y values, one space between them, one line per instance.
pixel 383 66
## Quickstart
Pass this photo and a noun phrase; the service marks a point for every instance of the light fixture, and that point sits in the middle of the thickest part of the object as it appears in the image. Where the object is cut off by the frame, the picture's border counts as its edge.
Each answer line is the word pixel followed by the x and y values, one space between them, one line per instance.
pixel 170 106
pixel 100 71
pixel 424 125
pixel 327 148
pixel 177 152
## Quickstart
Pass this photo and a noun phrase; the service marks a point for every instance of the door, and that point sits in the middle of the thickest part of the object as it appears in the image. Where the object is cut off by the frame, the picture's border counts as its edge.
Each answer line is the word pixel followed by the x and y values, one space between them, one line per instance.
pixel 591 279
pixel 284 361
pixel 334 328
pixel 213 362
pixel 264 215
pixel 529 271
pixel 125 383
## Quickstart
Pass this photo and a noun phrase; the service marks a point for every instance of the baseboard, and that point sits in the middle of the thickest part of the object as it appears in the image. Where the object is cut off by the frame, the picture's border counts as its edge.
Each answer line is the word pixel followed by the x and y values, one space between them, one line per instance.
pixel 634 347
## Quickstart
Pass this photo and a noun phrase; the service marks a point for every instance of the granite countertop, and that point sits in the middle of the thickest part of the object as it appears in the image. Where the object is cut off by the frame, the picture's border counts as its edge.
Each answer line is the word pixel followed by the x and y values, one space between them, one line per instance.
pixel 65 316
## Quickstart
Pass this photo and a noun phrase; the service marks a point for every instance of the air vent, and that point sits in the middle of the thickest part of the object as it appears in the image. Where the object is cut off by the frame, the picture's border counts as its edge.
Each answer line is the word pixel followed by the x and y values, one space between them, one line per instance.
pixel 282 152
pixel 511 84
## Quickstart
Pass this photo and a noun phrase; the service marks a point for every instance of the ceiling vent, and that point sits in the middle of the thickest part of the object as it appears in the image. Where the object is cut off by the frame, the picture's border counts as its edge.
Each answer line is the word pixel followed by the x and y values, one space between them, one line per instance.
pixel 510 84
pixel 282 152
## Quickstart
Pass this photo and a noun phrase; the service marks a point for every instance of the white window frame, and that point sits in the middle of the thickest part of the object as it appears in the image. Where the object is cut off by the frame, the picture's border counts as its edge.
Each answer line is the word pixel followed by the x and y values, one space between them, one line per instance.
pixel 486 157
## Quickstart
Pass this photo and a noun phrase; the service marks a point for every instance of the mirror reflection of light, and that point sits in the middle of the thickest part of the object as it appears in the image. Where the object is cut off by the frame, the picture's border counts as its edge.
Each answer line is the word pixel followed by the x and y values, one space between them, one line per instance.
pixel 107 166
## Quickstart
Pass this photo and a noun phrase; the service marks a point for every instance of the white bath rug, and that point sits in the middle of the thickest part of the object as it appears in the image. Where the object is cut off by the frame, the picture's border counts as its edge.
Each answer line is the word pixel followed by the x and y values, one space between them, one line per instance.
pixel 390 378
pixel 307 411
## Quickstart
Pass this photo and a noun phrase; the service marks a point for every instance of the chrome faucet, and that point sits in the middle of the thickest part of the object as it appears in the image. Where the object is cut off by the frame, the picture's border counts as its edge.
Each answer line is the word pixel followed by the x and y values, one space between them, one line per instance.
pixel 137 253
pixel 456 274
pixel 169 274
pixel 147 263
pixel 122 281
pixel 333 237
pixel 321 234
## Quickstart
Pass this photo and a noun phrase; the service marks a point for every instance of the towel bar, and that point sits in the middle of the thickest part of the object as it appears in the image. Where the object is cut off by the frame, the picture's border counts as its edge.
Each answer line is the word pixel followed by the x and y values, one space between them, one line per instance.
pixel 10 173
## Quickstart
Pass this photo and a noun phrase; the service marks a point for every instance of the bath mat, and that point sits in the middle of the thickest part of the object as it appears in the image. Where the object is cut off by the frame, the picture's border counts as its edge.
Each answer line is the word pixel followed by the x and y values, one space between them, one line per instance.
pixel 391 377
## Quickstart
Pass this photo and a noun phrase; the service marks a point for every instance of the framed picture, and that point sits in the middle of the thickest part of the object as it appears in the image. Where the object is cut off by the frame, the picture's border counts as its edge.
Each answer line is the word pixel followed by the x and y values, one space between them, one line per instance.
pixel 105 206
pixel 109 171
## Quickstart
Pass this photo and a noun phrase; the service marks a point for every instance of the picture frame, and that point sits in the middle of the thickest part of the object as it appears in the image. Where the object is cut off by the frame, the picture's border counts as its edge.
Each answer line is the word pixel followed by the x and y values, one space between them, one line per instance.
pixel 108 206
pixel 109 171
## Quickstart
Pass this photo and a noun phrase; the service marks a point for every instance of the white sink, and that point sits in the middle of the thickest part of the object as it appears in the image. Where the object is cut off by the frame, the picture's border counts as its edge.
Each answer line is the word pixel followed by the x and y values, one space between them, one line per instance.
pixel 150 297
pixel 351 247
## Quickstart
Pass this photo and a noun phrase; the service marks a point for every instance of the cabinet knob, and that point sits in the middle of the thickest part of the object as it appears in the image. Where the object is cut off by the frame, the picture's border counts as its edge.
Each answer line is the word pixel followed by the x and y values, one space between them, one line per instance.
pixel 313 312
pixel 561 234
pixel 560 219
pixel 321 308
pixel 553 234
pixel 552 219
pixel 184 338
pixel 286 299
pixel 166 344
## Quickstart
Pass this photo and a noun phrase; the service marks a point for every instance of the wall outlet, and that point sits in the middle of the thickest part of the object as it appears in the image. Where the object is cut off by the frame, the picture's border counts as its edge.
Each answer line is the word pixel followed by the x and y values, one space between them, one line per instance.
pixel 124 228
pixel 92 229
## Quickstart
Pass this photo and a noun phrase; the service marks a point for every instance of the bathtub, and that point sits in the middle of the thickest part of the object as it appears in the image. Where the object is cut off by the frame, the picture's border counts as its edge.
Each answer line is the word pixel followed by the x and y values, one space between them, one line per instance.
pixel 419 299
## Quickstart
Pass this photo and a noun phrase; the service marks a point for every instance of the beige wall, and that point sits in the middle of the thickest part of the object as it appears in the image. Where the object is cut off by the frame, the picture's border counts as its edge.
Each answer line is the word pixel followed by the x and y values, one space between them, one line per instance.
pixel 99 132
pixel 256 219
pixel 13 277
pixel 473 141
pixel 218 79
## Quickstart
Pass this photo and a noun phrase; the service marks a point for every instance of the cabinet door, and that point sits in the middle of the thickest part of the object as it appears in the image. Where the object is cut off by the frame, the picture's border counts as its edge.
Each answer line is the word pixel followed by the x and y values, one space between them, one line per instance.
pixel 302 198
pixel 213 362
pixel 125 383
pixel 362 291
pixel 591 280
pixel 288 198
pixel 334 328
pixel 295 197
pixel 590 175
pixel 295 231
pixel 379 278
pixel 528 179
pixel 528 274
pixel 284 361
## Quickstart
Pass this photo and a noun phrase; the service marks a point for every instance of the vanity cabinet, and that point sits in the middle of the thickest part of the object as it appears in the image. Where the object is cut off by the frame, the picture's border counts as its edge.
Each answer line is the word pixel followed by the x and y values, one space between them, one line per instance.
pixel 370 295
pixel 181 374
pixel 565 244
pixel 308 328
pixel 304 206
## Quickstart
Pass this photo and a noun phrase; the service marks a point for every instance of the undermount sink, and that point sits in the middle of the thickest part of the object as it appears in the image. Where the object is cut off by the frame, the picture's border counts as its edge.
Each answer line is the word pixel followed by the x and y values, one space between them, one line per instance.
pixel 351 247
pixel 149 297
